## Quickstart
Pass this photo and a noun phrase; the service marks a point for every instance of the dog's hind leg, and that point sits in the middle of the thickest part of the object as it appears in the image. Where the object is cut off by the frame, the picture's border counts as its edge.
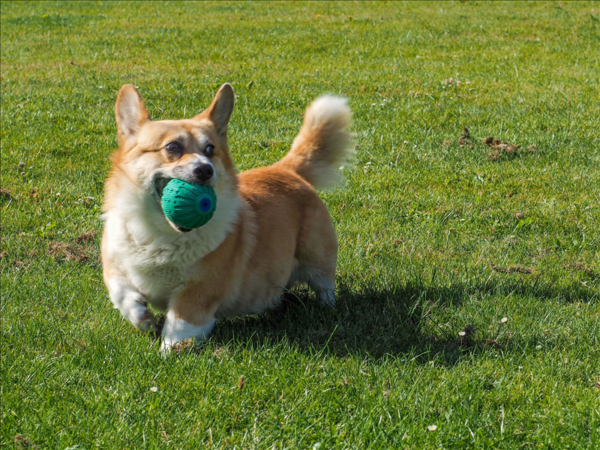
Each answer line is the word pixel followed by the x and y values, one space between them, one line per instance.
pixel 322 282
pixel 317 256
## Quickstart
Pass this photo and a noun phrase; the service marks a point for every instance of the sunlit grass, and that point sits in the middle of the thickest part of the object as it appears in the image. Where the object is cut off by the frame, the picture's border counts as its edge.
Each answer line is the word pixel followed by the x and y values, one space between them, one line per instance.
pixel 440 239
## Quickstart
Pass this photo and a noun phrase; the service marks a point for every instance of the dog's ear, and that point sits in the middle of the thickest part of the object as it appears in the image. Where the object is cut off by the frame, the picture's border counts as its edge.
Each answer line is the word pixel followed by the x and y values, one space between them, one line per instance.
pixel 220 109
pixel 131 114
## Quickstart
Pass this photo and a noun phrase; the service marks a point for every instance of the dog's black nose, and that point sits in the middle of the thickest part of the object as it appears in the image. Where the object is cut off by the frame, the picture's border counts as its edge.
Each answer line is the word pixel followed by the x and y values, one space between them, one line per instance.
pixel 204 172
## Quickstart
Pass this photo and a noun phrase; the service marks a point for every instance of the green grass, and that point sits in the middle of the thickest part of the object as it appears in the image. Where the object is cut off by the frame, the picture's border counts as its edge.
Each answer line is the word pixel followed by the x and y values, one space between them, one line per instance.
pixel 421 222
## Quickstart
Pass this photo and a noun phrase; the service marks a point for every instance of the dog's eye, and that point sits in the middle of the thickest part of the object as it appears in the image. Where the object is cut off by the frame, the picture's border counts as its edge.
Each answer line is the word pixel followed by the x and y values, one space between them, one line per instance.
pixel 173 147
pixel 209 151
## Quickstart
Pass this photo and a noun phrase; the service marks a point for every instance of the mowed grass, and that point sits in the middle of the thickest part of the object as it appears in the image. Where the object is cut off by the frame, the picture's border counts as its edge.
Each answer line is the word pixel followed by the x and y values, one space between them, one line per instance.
pixel 468 277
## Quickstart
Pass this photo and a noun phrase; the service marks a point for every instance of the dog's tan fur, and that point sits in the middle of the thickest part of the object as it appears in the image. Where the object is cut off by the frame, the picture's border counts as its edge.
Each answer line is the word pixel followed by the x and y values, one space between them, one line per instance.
pixel 272 232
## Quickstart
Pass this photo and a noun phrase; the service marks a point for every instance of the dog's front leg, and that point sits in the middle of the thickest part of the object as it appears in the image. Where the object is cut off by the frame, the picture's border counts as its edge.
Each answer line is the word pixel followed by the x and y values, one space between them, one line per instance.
pixel 177 329
pixel 131 303
pixel 191 315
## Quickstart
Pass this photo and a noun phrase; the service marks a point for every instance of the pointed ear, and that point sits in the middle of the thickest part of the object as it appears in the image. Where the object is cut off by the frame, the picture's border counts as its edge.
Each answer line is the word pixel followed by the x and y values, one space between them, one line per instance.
pixel 131 114
pixel 220 109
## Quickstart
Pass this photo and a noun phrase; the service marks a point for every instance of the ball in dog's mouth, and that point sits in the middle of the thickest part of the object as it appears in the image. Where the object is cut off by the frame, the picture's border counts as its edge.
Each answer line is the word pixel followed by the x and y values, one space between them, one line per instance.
pixel 185 205
pixel 159 186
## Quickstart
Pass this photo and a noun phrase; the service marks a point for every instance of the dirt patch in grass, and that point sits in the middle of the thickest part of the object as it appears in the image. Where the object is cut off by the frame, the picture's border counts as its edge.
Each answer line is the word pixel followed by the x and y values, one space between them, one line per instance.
pixel 81 251
pixel 61 251
pixel 580 268
pixel 469 330
pixel 466 336
pixel 86 237
pixel 221 352
pixel 5 194
pixel 499 148
pixel 511 269
pixel 23 442
pixel 467 339
pixel 494 344
pixel 34 196
pixel 465 139
pixel 181 346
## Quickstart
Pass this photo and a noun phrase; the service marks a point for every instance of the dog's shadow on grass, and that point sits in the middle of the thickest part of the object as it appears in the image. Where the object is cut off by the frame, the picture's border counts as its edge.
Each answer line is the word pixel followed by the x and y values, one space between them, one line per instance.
pixel 373 322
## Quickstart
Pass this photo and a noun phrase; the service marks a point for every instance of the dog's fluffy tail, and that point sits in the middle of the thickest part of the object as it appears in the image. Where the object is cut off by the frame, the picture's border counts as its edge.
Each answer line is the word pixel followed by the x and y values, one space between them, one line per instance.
pixel 322 144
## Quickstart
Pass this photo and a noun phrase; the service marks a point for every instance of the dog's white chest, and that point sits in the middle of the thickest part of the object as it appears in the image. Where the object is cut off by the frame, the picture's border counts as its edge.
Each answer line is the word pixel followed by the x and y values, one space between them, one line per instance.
pixel 156 266
pixel 153 258
pixel 156 282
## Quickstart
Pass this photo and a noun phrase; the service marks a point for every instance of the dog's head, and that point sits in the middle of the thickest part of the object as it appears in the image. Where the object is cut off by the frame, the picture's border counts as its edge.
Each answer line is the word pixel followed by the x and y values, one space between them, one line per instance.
pixel 151 153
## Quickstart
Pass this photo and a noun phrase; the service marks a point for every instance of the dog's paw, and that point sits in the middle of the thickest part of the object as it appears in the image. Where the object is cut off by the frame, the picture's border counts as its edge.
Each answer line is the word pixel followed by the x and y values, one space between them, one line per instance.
pixel 177 347
pixel 147 323
pixel 177 330
pixel 327 297
pixel 139 315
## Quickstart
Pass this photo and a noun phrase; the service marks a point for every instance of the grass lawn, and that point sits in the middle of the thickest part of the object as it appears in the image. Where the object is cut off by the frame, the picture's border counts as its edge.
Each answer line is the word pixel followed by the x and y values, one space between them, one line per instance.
pixel 468 274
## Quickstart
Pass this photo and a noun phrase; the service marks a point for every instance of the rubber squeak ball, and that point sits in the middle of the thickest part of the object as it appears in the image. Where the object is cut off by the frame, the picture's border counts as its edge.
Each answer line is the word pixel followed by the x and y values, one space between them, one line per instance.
pixel 188 205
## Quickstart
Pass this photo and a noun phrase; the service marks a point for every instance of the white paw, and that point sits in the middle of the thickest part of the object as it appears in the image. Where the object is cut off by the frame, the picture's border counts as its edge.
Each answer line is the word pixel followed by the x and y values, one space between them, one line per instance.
pixel 146 322
pixel 138 313
pixel 176 330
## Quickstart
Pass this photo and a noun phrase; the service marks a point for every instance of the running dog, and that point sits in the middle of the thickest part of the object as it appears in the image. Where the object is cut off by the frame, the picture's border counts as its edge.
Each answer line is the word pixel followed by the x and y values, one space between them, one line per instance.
pixel 269 232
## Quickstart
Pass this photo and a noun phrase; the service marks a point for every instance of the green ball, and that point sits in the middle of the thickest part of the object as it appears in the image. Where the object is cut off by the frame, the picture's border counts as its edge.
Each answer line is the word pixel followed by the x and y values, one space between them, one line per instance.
pixel 188 205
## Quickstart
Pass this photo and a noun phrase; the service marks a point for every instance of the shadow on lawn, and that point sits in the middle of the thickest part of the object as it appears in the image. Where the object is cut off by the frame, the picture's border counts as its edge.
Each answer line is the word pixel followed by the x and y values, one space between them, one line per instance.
pixel 376 322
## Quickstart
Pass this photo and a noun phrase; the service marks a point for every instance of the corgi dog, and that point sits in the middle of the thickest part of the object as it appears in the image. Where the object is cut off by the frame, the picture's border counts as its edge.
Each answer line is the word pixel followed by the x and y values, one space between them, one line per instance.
pixel 270 230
